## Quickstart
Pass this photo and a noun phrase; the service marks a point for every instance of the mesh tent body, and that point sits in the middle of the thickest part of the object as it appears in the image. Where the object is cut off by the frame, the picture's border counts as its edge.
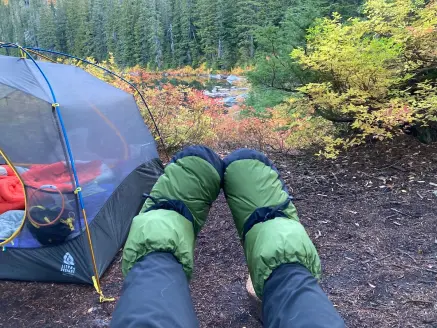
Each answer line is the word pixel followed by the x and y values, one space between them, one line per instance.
pixel 114 154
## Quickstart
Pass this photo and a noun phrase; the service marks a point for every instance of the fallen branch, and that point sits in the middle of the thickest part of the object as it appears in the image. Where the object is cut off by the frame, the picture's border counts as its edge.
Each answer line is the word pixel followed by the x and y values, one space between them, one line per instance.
pixel 405 214
pixel 418 301
pixel 389 217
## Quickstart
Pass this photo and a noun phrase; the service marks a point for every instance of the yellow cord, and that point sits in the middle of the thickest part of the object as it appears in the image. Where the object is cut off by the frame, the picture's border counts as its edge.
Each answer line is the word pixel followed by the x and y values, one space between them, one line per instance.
pixel 41 55
pixel 95 278
pixel 102 297
pixel 69 223
pixel 22 54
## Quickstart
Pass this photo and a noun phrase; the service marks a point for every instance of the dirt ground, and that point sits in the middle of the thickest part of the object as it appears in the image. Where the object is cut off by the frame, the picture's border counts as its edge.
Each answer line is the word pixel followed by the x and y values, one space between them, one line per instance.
pixel 371 213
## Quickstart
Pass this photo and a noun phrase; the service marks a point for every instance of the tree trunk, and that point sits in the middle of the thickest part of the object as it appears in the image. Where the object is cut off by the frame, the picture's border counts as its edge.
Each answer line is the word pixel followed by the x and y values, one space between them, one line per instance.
pixel 220 49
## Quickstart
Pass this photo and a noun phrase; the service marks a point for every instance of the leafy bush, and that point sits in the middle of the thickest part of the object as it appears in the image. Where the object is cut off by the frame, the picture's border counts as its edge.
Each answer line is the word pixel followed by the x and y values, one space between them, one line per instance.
pixel 376 77
pixel 261 98
pixel 186 116
pixel 378 74
pixel 181 114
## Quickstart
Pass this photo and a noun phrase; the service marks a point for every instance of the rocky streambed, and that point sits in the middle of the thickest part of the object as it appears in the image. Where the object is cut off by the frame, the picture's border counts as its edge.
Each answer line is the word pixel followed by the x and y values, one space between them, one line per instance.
pixel 232 89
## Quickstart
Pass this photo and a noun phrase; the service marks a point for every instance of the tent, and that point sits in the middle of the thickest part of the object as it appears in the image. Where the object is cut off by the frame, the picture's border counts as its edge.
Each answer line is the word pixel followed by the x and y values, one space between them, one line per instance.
pixel 84 158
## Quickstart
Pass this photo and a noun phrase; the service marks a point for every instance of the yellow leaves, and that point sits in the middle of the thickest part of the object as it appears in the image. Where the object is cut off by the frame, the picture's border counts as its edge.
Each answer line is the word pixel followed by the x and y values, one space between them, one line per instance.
pixel 350 56
pixel 300 56
pixel 371 68
pixel 388 14
pixel 332 146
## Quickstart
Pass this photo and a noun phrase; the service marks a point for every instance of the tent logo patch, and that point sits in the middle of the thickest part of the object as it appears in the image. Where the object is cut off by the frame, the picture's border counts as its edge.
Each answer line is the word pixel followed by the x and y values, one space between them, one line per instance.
pixel 68 265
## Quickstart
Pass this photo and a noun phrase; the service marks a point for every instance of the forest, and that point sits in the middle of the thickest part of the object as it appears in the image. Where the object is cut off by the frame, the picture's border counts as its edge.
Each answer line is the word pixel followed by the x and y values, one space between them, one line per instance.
pixel 162 34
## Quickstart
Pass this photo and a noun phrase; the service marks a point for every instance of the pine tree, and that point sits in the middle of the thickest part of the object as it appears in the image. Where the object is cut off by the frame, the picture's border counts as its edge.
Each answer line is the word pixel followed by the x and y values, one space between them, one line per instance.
pixel 216 29
pixel 61 27
pixel 83 38
pixel 128 18
pixel 31 16
pixel 99 43
pixel 71 24
pixel 6 27
pixel 156 34
pixel 274 10
pixel 187 47
pixel 47 28
pixel 248 20
pixel 112 28
pixel 178 40
pixel 142 46
pixel 166 21
pixel 206 10
pixel 18 20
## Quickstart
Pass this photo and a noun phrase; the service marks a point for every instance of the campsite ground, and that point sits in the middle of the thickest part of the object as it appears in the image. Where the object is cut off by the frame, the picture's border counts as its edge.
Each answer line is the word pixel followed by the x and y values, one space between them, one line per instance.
pixel 372 214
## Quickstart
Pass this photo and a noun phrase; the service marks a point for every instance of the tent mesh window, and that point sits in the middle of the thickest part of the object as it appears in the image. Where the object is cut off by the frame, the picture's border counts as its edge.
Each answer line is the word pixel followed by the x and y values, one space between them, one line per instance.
pixel 115 159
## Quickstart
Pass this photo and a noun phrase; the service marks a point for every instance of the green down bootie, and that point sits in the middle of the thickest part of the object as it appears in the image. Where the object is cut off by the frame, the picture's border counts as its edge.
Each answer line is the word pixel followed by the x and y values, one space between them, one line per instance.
pixel 265 217
pixel 176 208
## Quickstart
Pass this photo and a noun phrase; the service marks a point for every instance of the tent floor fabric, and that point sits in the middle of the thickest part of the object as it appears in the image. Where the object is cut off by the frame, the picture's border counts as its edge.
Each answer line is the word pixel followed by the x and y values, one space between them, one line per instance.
pixel 365 248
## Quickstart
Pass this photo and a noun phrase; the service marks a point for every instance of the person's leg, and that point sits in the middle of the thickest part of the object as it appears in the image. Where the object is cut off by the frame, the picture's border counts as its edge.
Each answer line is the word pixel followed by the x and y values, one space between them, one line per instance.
pixel 293 298
pixel 273 238
pixel 169 222
pixel 156 295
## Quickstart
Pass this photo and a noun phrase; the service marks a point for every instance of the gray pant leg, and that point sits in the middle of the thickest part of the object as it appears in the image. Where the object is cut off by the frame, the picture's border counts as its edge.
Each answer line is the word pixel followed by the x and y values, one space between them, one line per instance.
pixel 155 295
pixel 293 298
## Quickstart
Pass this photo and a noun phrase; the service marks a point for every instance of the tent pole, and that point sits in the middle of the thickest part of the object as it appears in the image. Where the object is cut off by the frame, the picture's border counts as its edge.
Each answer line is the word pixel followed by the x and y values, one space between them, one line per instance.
pixel 78 189
pixel 118 76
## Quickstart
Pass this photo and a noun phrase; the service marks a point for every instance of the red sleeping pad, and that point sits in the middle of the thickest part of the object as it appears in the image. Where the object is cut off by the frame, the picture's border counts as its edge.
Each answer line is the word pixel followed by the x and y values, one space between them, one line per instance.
pixel 11 192
pixel 59 175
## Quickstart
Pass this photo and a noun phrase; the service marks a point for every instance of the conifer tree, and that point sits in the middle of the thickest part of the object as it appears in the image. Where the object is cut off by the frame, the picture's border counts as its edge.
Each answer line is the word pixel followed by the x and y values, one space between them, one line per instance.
pixel 47 28
pixel 173 33
pixel 99 42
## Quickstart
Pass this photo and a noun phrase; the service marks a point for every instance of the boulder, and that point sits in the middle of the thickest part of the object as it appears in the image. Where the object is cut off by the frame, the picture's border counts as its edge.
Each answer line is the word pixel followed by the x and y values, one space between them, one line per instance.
pixel 215 76
pixel 233 78
pixel 230 101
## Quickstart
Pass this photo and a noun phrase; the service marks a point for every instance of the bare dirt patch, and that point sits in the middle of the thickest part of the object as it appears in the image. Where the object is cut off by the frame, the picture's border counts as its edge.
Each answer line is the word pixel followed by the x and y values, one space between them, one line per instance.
pixel 372 214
